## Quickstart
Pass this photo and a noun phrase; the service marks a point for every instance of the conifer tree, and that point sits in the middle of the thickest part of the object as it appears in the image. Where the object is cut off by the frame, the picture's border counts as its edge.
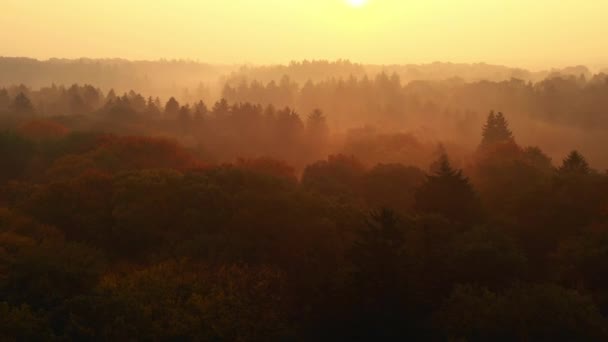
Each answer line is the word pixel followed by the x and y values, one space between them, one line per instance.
pixel 496 129
pixel 172 108
pixel 449 193
pixel 575 163
pixel 22 104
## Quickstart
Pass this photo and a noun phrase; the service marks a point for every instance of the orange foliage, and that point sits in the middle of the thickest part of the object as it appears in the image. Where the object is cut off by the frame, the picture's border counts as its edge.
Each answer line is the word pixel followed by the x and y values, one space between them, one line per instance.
pixel 116 154
pixel 42 129
pixel 507 150
pixel 132 153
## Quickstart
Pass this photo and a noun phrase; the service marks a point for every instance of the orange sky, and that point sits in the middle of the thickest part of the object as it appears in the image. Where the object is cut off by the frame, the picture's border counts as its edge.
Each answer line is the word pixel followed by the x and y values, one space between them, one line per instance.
pixel 530 33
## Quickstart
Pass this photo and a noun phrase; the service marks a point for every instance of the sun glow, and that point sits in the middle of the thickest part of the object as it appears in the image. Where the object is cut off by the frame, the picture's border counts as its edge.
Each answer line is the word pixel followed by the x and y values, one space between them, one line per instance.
pixel 357 3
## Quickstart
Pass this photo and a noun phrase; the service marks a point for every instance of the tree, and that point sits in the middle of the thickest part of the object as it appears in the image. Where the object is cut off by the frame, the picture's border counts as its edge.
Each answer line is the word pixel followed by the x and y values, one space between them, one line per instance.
pixel 339 175
pixel 496 129
pixel 316 125
pixel 447 192
pixel 200 111
pixel 152 109
pixel 377 251
pixel 380 278
pixel 574 164
pixel 379 186
pixel 172 108
pixel 17 153
pixel 221 108
pixel 22 104
pixel 111 97
pixel 4 99
pixel 184 118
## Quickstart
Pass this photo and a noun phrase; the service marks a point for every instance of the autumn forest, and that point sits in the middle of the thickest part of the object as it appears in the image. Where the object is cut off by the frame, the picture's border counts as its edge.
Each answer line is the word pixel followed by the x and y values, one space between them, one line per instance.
pixel 364 205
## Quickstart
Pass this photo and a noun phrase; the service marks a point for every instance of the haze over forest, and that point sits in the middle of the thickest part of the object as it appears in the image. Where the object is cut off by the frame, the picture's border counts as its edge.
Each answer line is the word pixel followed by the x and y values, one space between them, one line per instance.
pixel 269 170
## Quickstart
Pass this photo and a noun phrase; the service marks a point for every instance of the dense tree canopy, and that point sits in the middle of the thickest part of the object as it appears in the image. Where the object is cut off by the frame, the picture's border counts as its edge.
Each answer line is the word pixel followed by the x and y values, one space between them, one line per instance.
pixel 123 219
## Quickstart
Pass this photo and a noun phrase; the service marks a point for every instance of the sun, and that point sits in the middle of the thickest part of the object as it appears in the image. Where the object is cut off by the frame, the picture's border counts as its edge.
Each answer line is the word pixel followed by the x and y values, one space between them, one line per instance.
pixel 356 3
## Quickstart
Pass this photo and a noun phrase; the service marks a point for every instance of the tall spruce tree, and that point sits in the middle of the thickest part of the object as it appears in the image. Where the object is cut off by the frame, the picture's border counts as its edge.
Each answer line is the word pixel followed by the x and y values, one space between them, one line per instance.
pixel 576 164
pixel 496 129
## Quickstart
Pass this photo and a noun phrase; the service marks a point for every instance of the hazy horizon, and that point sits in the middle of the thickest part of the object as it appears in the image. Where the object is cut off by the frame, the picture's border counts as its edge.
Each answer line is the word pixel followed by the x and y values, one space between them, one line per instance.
pixel 381 32
pixel 303 170
pixel 599 67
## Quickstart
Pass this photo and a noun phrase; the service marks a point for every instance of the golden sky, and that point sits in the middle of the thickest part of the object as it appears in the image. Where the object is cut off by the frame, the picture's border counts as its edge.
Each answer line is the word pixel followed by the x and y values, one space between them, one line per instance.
pixel 529 33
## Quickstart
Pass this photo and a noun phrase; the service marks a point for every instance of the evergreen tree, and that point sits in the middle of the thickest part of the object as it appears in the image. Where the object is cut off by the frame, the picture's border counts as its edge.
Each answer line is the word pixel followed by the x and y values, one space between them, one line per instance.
pixel 200 111
pixel 496 129
pixel 221 107
pixel 22 104
pixel 4 99
pixel 575 163
pixel 379 277
pixel 449 193
pixel 172 108
pixel 111 97
pixel 151 109
pixel 184 118
pixel 316 126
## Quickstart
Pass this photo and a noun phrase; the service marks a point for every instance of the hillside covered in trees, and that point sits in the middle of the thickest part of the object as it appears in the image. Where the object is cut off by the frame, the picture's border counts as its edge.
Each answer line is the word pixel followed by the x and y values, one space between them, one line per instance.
pixel 261 217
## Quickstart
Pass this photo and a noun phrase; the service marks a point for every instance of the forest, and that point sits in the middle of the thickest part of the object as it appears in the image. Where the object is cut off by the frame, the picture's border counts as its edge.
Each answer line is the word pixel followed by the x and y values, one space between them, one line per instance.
pixel 344 208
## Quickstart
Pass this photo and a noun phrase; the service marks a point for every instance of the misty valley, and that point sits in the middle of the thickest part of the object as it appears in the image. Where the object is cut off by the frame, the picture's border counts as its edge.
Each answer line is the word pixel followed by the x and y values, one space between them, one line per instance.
pixel 311 201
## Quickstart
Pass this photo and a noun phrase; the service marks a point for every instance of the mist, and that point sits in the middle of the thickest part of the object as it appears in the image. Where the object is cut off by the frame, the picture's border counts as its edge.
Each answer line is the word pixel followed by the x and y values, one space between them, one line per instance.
pixel 319 170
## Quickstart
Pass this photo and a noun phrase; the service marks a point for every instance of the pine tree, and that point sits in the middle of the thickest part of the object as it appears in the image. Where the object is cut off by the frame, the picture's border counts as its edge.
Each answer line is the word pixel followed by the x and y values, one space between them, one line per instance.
pixel 221 108
pixel 22 104
pixel 4 99
pixel 200 111
pixel 172 108
pixel 449 193
pixel 111 97
pixel 316 126
pixel 151 109
pixel 496 129
pixel 575 164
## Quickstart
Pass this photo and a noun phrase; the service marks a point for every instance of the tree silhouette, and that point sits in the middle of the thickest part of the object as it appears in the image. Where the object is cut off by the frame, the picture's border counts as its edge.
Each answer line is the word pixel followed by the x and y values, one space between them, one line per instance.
pixel 448 193
pixel 496 129
pixel 221 108
pixel 574 164
pixel 172 108
pixel 22 104
pixel 4 99
pixel 200 111
pixel 316 123
pixel 152 109
pixel 380 276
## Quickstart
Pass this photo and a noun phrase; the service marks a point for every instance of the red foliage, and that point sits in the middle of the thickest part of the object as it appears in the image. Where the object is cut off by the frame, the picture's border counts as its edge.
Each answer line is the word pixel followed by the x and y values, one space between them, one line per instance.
pixel 134 153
